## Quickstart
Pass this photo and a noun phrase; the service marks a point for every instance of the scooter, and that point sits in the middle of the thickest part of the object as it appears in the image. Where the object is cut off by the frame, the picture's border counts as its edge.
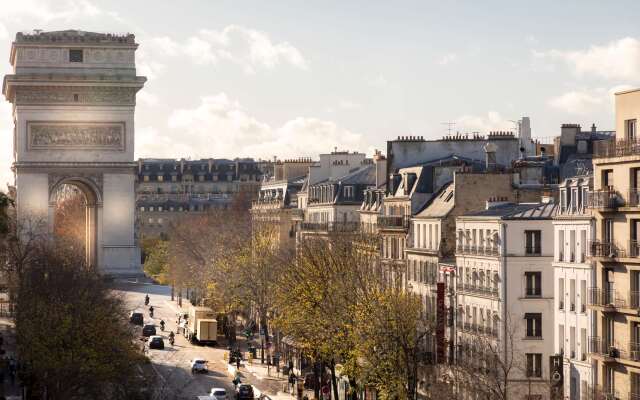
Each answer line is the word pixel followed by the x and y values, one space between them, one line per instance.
pixel 172 340
pixel 162 326
pixel 151 311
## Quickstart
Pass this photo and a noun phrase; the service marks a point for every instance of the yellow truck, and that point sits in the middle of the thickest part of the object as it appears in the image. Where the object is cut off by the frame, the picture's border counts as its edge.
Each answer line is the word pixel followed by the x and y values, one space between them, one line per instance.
pixel 202 327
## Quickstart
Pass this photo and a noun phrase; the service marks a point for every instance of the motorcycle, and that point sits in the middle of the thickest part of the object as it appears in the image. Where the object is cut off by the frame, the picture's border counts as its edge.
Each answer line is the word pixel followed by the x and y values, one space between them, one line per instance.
pixel 172 340
pixel 151 311
pixel 146 300
pixel 162 326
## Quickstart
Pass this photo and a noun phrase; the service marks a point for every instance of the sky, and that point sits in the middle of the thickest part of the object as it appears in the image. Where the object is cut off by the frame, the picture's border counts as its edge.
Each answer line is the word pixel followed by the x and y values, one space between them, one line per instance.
pixel 292 78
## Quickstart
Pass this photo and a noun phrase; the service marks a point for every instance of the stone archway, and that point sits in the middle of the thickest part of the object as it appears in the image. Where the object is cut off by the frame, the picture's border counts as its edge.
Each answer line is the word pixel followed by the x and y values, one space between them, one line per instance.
pixel 93 212
pixel 74 98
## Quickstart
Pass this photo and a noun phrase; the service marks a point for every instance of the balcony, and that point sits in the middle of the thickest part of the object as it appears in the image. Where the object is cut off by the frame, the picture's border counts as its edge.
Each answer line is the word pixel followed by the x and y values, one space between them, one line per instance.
pixel 608 299
pixel 634 248
pixel 603 349
pixel 476 289
pixel 477 250
pixel 633 352
pixel 633 198
pixel 605 250
pixel 330 226
pixel 393 222
pixel 602 199
pixel 615 148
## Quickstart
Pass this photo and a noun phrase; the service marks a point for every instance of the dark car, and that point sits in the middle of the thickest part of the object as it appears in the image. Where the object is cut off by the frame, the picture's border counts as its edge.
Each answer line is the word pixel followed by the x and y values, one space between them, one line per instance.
pixel 156 342
pixel 245 392
pixel 136 318
pixel 148 330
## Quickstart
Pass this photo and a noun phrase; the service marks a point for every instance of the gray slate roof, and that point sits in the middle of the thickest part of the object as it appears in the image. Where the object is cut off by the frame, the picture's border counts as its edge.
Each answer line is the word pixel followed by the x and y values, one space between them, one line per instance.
pixel 518 211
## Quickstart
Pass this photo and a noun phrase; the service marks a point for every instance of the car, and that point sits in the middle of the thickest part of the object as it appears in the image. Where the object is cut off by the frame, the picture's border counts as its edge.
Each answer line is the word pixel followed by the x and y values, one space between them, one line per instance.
pixel 136 318
pixel 245 392
pixel 148 330
pixel 199 365
pixel 219 394
pixel 156 342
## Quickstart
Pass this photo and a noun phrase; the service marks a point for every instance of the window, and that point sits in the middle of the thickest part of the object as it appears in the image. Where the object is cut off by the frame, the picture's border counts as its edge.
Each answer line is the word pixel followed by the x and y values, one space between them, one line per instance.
pixel 533 281
pixel 160 178
pixel 583 344
pixel 534 325
pixel 142 209
pixel 561 339
pixel 146 178
pixel 583 245
pixel 572 341
pixel 583 296
pixel 348 192
pixel 572 245
pixel 572 294
pixel 532 242
pixel 534 365
pixel 75 55
pixel 607 178
pixel 201 178
pixel 630 129
pixel 560 245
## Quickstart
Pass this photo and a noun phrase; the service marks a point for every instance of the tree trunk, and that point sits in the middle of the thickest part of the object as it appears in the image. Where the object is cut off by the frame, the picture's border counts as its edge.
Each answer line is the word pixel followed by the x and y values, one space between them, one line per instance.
pixel 317 379
pixel 334 381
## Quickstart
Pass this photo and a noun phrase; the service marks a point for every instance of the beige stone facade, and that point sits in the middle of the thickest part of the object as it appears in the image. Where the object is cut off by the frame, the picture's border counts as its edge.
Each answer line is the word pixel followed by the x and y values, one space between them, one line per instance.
pixel 615 252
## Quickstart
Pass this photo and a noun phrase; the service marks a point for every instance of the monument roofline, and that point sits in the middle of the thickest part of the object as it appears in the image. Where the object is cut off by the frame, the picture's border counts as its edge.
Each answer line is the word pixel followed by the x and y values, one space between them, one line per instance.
pixel 73 38
pixel 76 37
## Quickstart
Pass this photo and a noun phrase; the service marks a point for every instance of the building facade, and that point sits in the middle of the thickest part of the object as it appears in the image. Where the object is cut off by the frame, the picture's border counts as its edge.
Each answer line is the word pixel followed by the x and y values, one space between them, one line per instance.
pixel 167 189
pixel 573 228
pixel 614 298
pixel 505 294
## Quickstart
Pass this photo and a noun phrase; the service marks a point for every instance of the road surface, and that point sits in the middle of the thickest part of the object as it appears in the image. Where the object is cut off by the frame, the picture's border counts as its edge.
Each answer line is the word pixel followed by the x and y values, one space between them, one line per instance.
pixel 172 365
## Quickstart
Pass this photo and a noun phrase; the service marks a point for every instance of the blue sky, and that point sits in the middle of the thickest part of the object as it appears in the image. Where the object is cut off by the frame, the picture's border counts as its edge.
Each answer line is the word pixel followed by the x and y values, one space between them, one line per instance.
pixel 293 78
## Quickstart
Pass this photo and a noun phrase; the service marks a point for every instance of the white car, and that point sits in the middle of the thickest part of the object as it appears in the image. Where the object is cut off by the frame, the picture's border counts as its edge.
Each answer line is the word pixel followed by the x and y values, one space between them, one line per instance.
pixel 219 394
pixel 199 365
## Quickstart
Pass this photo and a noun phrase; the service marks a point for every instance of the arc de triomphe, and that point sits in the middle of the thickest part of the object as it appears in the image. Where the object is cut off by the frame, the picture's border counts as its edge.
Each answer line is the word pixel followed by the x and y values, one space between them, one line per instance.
pixel 73 96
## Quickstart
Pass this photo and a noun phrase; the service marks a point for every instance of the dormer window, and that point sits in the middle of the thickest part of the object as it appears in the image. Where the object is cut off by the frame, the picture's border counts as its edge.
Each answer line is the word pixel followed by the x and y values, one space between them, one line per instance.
pixel 75 55
pixel 348 192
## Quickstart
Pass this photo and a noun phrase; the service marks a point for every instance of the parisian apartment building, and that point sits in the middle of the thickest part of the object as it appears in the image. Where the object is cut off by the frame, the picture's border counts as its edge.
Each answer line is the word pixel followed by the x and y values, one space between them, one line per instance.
pixel 167 189
pixel 614 345
pixel 573 227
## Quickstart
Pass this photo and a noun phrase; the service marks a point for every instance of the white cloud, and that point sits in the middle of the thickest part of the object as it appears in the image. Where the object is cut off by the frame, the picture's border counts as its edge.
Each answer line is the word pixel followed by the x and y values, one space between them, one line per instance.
pixel 578 102
pixel 493 121
pixel 146 98
pixel 349 105
pixel 618 59
pixel 377 81
pixel 248 48
pixel 219 126
pixel 448 58
pixel 531 39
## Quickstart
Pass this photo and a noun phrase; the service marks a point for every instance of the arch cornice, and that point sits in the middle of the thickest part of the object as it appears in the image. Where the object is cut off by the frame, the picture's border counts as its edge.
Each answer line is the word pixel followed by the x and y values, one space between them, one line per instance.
pixel 89 184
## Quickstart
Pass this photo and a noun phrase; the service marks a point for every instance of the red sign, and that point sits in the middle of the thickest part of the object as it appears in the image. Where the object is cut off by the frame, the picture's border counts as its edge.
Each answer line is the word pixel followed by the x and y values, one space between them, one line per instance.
pixel 441 320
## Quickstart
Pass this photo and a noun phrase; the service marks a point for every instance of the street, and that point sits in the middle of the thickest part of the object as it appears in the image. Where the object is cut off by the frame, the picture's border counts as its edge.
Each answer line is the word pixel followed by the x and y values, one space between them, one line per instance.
pixel 172 364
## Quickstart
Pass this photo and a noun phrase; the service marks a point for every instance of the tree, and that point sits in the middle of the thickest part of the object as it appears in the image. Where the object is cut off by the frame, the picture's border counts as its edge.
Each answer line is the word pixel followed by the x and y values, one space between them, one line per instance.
pixel 389 334
pixel 71 331
pixel 70 219
pixel 156 262
pixel 320 291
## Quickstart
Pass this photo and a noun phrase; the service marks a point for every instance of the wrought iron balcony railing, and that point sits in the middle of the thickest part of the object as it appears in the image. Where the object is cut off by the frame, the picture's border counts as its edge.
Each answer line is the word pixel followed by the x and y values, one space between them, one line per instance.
pixel 601 199
pixel 393 221
pixel 605 249
pixel 615 148
pixel 605 298
pixel 330 226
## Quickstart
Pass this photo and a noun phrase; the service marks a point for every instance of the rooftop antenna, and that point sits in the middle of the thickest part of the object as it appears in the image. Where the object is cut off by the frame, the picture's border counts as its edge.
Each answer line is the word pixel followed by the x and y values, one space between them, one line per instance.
pixel 450 126
pixel 516 125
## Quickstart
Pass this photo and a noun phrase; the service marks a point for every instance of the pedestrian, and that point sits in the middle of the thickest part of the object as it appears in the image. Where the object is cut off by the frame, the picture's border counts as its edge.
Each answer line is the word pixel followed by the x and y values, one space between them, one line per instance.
pixel 292 382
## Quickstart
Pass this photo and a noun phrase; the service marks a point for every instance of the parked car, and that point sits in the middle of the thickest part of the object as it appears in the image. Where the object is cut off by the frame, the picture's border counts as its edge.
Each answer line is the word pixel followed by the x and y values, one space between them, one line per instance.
pixel 199 365
pixel 136 318
pixel 219 394
pixel 245 392
pixel 156 342
pixel 148 330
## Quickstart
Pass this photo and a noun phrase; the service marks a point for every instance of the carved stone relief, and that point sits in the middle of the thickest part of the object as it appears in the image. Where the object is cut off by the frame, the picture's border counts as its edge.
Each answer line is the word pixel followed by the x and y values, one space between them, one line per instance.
pixel 76 135
pixel 75 94
pixel 61 55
